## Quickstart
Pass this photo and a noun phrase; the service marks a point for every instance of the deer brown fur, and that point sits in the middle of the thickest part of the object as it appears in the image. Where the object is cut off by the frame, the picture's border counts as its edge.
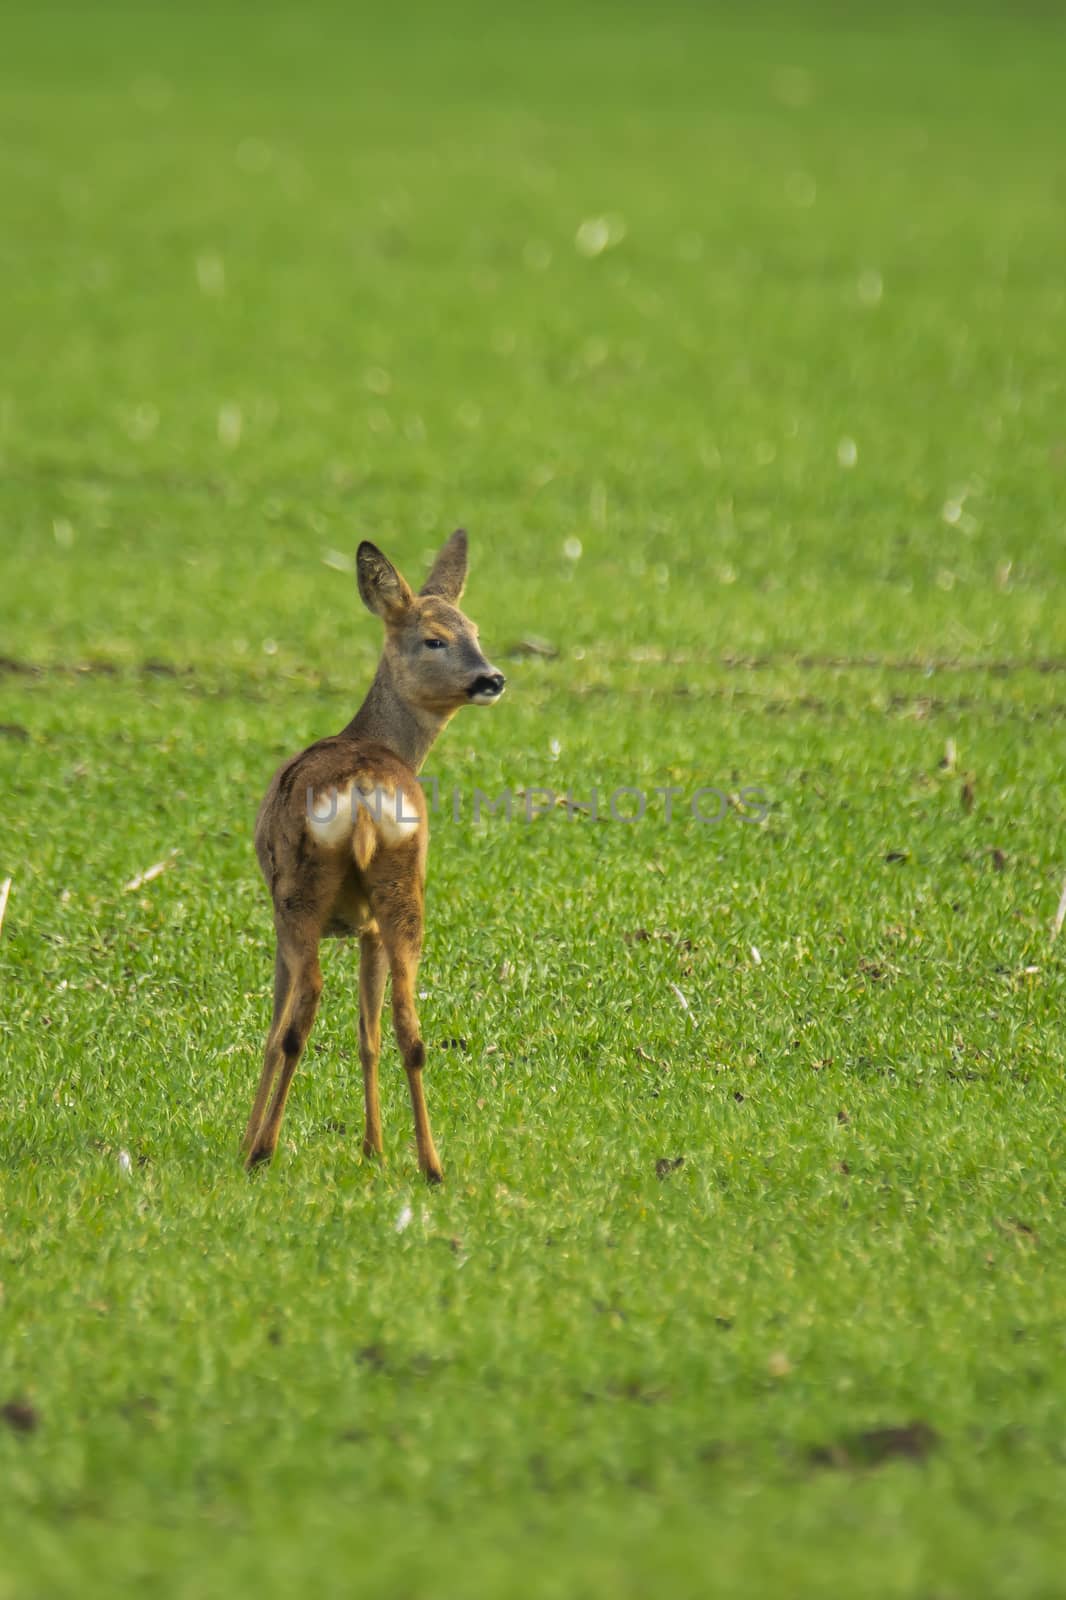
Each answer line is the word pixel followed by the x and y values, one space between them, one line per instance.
pixel 341 839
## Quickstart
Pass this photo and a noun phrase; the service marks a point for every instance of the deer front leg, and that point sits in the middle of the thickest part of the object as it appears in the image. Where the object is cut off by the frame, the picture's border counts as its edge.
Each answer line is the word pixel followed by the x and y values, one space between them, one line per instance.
pixel 403 942
pixel 413 1050
pixel 396 898
pixel 373 969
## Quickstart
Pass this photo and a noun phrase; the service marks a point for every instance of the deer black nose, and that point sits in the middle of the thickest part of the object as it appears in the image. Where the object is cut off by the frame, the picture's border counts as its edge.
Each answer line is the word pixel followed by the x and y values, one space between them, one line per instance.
pixel 487 686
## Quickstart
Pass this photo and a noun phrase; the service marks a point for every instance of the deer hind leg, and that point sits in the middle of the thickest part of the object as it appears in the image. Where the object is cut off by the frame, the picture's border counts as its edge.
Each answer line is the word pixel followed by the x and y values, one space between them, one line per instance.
pixel 283 993
pixel 398 907
pixel 373 970
pixel 285 1047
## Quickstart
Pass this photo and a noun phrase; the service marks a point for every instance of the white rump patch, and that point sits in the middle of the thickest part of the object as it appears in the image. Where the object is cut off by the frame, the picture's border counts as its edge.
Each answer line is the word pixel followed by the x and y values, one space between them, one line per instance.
pixel 397 821
pixel 331 813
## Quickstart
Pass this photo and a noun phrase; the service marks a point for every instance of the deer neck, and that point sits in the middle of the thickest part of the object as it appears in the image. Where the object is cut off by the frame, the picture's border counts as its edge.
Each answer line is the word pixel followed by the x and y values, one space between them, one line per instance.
pixel 385 717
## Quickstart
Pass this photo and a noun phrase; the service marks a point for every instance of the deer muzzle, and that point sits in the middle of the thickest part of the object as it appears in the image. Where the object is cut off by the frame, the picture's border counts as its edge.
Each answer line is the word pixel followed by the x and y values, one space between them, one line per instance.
pixel 486 688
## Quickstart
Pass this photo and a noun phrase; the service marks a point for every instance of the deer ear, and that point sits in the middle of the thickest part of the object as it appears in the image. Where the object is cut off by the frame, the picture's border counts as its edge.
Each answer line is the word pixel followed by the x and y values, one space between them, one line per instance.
pixel 384 591
pixel 447 576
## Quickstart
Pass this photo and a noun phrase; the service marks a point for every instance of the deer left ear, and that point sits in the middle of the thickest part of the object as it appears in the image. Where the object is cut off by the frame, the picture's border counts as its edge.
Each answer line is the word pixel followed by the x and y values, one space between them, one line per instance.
pixel 384 591
pixel 447 577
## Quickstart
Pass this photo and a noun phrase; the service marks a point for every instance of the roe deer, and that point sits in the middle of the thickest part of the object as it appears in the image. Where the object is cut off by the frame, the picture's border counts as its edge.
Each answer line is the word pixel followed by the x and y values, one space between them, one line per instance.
pixel 341 839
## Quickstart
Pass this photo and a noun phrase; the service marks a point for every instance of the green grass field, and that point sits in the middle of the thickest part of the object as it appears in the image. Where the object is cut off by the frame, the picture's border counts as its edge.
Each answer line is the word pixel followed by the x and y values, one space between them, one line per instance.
pixel 738 343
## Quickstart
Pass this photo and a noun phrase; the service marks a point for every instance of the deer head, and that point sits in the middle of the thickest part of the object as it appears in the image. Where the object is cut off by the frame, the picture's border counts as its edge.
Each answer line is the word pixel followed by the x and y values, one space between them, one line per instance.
pixel 432 650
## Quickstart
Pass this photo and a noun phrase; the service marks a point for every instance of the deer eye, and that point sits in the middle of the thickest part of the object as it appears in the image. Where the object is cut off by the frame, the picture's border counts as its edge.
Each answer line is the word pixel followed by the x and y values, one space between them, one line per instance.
pixel 435 644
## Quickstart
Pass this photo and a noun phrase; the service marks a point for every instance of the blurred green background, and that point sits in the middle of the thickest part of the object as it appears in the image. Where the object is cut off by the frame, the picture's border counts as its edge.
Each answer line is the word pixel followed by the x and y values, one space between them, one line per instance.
pixel 648 276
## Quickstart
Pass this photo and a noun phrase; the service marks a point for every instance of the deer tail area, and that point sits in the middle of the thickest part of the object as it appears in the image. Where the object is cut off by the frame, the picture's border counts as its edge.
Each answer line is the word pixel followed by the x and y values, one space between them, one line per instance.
pixel 364 838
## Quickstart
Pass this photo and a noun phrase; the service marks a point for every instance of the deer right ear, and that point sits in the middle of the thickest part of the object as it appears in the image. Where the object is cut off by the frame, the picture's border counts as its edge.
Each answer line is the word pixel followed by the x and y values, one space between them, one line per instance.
pixel 383 590
pixel 448 575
